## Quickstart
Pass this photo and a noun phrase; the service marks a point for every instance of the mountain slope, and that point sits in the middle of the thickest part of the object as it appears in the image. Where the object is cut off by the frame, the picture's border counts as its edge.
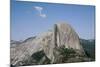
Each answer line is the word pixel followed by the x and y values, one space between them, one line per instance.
pixel 51 47
pixel 89 47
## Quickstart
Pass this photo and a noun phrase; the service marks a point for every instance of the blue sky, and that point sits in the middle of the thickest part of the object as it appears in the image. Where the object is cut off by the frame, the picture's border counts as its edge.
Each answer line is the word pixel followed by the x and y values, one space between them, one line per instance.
pixel 31 18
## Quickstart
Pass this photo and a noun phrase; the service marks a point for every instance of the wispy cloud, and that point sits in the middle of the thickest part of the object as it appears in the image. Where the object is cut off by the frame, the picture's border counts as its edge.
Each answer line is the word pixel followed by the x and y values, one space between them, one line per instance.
pixel 40 9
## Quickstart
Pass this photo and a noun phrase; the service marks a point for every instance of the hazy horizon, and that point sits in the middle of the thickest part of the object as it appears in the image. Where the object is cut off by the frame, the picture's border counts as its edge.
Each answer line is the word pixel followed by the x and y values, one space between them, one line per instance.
pixel 32 18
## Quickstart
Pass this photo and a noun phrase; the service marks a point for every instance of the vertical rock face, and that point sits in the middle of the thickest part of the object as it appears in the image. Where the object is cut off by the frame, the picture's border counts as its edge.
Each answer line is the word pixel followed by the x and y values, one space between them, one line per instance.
pixel 66 36
pixel 48 42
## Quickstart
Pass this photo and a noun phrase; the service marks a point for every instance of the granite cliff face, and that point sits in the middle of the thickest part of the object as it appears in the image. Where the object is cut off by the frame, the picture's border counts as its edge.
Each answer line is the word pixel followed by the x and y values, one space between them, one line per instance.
pixel 65 35
pixel 47 45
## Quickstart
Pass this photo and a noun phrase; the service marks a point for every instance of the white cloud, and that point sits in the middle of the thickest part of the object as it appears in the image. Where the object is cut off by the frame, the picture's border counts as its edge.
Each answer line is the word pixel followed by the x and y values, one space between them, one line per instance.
pixel 40 9
pixel 43 15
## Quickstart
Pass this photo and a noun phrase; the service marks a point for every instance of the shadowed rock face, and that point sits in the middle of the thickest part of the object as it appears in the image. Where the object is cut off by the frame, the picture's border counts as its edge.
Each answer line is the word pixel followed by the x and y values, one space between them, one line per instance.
pixel 48 42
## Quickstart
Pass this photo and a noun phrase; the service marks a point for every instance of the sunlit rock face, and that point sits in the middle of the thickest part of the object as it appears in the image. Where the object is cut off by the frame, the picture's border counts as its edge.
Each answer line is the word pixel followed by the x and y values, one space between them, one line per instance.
pixel 49 42
pixel 67 36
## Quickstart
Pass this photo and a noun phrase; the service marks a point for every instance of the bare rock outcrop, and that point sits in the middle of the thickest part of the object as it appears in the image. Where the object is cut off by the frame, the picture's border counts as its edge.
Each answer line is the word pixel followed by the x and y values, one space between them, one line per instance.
pixel 49 42
pixel 66 35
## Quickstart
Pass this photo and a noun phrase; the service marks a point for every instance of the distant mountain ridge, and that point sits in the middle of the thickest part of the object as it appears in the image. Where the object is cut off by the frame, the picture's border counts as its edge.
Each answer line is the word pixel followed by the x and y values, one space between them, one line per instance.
pixel 89 47
pixel 14 43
